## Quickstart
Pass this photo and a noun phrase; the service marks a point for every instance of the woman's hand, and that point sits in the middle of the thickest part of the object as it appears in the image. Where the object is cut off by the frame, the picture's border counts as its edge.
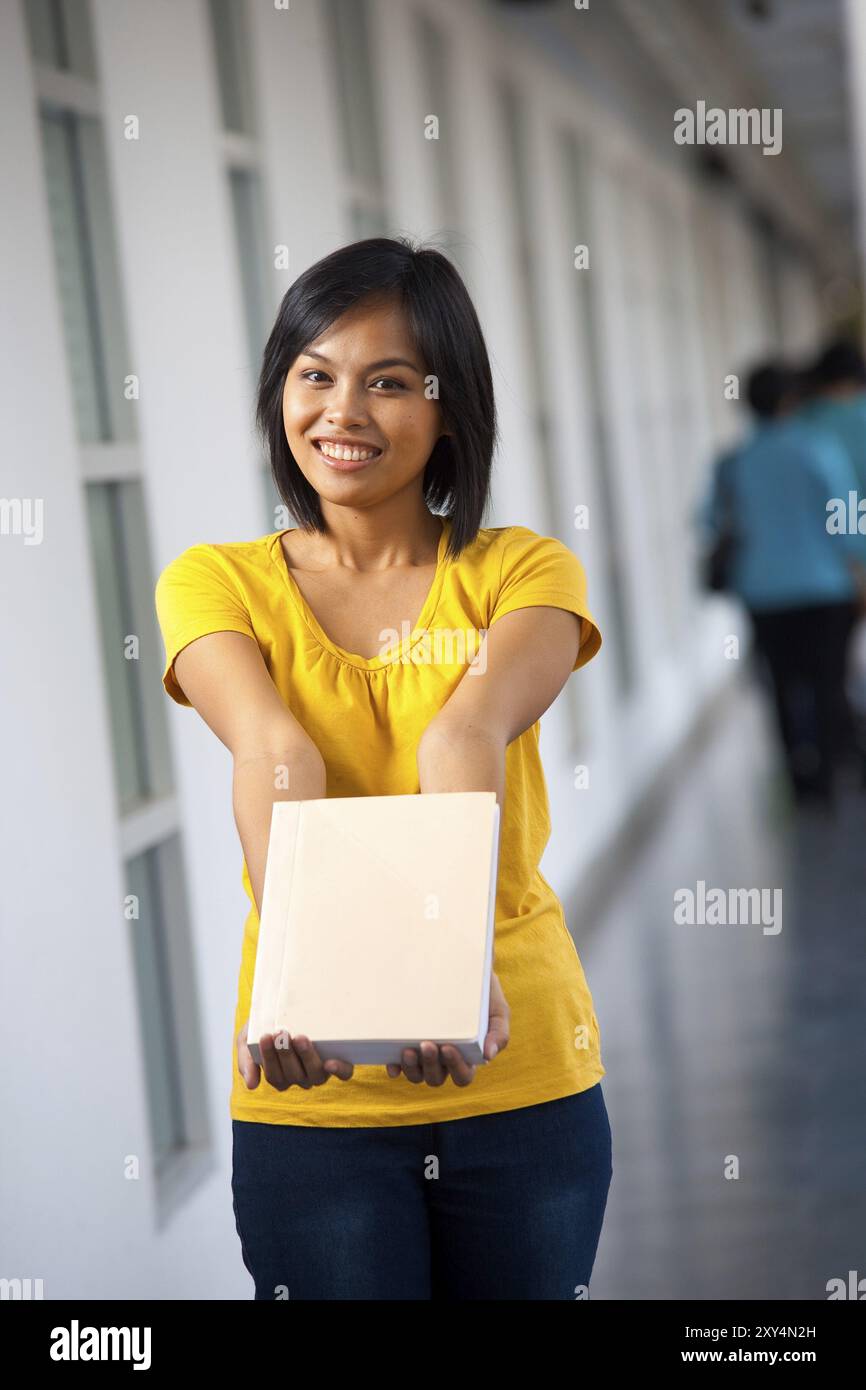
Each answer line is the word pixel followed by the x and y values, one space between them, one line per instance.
pixel 436 1064
pixel 287 1061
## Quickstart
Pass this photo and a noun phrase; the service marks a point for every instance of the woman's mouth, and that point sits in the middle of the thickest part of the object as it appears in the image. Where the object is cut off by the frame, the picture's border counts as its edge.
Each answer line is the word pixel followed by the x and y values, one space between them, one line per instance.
pixel 345 458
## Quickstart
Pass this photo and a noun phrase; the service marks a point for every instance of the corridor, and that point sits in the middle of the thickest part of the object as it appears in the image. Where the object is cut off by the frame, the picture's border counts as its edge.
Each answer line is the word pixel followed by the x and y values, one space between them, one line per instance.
pixel 729 1041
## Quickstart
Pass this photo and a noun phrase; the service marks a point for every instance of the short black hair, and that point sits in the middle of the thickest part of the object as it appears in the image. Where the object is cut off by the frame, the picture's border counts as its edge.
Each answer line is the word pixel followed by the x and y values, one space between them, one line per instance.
pixel 841 361
pixel 448 338
pixel 768 387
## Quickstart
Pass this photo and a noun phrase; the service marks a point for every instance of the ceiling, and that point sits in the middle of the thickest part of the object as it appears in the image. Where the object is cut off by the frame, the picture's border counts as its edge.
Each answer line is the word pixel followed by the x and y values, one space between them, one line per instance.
pixel 645 58
pixel 796 49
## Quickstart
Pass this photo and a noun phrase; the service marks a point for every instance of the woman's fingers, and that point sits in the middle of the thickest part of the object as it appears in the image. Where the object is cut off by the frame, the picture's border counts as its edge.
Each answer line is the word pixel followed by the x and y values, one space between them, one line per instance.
pixel 248 1069
pixel 435 1073
pixel 460 1071
pixel 433 1066
pixel 423 1064
pixel 281 1066
pixel 289 1061
pixel 499 1020
pixel 318 1071
pixel 311 1063
pixel 411 1066
pixel 342 1070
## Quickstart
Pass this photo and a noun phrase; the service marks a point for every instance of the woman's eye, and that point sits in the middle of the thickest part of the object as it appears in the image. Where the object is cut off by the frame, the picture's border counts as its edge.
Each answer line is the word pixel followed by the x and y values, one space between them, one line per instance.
pixel 389 382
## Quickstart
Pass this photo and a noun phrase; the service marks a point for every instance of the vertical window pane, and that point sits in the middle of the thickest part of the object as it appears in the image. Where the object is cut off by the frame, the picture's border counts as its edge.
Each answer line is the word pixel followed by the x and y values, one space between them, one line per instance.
pixel 123 578
pixel 133 551
pixel 639 290
pixel 248 214
pixel 234 73
pixel 169 1017
pixel 47 36
pixel 60 35
pixel 116 357
pixel 588 308
pixel 101 505
pixel 87 276
pixel 74 275
pixel 349 42
pixel 435 98
pixel 155 1005
pixel 521 197
pixel 245 191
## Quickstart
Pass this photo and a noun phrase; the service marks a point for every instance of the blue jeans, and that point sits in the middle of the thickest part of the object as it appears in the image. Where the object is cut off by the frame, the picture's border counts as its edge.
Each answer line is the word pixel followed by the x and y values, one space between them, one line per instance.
pixel 502 1206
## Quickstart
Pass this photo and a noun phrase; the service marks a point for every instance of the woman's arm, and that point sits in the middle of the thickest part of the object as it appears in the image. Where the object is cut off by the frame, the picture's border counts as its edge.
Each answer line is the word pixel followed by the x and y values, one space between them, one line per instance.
pixel 528 656
pixel 224 677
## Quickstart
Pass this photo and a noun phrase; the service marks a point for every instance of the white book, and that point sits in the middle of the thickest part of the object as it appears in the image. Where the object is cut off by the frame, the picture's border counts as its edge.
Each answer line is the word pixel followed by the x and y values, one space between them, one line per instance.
pixel 377 922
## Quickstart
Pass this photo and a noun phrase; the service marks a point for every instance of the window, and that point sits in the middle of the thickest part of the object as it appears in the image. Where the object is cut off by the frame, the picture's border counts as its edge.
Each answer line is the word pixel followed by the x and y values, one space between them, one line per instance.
pixel 436 99
pixel 101 367
pixel 233 66
pixel 682 387
pixel 167 1001
pixel 715 309
pixel 122 573
pixel 248 215
pixel 242 158
pixel 514 127
pixel 60 35
pixel 87 275
pixel 645 386
pixel 588 310
pixel 348 29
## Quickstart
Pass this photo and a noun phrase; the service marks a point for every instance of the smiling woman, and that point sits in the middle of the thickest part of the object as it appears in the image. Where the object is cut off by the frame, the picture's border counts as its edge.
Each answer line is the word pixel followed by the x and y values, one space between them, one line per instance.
pixel 377 307
pixel 376 404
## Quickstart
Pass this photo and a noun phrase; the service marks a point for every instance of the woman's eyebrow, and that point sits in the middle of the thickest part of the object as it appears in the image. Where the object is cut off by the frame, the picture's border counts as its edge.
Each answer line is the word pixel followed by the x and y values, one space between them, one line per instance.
pixel 371 366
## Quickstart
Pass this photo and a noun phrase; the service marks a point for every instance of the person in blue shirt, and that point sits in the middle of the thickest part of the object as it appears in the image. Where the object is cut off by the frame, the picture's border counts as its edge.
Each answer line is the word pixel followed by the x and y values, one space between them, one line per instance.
pixel 835 401
pixel 801 583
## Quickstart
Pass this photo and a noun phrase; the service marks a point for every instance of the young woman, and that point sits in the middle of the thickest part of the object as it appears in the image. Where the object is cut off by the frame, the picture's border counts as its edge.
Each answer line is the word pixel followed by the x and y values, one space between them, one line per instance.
pixel 434 1179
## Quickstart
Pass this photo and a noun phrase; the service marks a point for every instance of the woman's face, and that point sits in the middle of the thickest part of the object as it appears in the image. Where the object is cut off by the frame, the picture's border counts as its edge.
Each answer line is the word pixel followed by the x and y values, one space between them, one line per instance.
pixel 361 384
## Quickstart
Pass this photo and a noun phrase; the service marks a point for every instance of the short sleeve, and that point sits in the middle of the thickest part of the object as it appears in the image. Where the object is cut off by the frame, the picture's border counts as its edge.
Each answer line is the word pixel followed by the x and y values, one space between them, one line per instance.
pixel 195 594
pixel 540 571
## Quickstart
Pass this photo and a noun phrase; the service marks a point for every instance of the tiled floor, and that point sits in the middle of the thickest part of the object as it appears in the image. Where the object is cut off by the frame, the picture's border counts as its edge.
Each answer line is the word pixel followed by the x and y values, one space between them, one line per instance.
pixel 728 1041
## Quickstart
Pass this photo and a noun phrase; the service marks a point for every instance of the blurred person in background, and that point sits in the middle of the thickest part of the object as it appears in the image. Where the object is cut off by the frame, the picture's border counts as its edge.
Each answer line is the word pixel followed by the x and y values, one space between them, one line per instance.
pixel 834 399
pixel 800 583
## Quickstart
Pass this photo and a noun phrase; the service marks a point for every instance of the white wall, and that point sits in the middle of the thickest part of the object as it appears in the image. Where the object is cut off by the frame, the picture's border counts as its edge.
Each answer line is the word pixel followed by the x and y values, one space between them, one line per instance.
pixel 72 1087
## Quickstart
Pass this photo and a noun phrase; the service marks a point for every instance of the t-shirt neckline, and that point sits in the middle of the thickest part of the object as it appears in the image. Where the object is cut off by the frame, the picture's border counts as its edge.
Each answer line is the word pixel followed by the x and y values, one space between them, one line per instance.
pixel 400 649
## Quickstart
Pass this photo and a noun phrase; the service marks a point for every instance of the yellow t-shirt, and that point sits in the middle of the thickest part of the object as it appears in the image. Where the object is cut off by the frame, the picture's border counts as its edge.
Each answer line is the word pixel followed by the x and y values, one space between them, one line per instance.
pixel 366 716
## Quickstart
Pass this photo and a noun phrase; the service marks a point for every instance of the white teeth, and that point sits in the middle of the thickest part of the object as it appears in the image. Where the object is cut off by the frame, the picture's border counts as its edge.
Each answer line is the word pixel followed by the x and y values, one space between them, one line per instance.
pixel 337 451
